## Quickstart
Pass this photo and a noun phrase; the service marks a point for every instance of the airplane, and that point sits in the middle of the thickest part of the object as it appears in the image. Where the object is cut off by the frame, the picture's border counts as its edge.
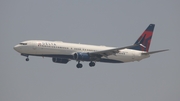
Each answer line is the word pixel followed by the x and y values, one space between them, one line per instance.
pixel 63 52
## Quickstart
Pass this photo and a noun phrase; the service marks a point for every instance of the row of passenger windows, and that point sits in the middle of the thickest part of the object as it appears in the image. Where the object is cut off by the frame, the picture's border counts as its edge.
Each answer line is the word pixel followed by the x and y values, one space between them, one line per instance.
pixel 53 46
pixel 123 53
pixel 66 48
pixel 84 49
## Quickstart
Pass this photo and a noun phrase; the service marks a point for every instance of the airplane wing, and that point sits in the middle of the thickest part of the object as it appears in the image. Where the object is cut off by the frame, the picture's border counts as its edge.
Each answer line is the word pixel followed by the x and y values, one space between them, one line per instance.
pixel 108 52
pixel 152 52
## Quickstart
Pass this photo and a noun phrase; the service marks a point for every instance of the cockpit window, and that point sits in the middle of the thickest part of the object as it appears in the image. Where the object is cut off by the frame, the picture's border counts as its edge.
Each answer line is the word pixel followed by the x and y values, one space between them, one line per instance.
pixel 23 43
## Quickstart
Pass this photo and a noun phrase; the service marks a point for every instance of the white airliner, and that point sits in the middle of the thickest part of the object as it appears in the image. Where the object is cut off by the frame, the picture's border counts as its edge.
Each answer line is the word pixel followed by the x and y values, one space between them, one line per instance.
pixel 63 52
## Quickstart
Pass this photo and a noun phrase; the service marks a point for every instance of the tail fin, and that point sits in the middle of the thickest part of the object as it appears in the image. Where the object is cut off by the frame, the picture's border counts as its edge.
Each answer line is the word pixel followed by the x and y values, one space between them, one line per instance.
pixel 144 41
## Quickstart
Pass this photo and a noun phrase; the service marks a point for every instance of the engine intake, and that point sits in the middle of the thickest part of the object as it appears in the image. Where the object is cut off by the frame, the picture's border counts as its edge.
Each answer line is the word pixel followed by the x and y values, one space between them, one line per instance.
pixel 60 60
pixel 82 56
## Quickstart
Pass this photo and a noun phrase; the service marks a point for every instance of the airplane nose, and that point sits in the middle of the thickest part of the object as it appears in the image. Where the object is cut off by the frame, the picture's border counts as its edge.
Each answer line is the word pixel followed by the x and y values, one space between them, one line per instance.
pixel 16 47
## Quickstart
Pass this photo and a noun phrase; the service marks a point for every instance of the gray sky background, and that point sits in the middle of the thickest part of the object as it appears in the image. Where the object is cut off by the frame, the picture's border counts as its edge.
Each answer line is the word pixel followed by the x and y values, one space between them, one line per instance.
pixel 101 22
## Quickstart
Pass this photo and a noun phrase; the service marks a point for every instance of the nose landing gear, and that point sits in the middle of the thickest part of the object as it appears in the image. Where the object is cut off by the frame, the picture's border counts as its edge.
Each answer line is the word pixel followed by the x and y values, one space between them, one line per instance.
pixel 27 59
pixel 27 56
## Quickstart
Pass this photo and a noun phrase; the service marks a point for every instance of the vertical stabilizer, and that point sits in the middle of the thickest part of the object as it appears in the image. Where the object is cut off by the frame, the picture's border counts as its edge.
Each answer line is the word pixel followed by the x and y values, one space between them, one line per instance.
pixel 144 40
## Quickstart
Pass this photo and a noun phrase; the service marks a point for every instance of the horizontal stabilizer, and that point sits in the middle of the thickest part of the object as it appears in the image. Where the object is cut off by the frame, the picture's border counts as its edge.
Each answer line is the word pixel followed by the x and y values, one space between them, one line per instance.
pixel 152 52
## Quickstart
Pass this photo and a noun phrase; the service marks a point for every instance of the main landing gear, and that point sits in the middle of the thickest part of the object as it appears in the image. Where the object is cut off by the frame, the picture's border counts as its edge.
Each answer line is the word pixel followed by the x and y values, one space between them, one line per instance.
pixel 91 64
pixel 79 65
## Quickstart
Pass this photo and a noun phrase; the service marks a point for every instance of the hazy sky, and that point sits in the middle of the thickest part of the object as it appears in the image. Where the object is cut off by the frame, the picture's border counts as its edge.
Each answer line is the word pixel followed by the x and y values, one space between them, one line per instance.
pixel 101 22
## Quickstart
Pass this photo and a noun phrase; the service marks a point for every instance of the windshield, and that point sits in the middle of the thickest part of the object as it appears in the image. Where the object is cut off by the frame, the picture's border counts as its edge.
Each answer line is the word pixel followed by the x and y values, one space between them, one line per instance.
pixel 23 43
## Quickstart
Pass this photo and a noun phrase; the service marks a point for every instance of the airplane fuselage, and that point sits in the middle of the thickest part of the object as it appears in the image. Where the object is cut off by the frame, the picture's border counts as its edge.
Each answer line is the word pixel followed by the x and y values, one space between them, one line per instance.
pixel 66 51
pixel 63 52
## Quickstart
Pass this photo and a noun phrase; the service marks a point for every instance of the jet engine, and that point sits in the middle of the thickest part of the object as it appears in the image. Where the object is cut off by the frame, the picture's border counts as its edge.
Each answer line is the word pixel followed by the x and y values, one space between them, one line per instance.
pixel 60 60
pixel 81 56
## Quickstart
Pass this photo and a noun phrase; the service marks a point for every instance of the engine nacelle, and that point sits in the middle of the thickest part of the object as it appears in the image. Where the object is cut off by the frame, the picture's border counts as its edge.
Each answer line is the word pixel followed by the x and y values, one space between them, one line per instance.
pixel 82 56
pixel 60 60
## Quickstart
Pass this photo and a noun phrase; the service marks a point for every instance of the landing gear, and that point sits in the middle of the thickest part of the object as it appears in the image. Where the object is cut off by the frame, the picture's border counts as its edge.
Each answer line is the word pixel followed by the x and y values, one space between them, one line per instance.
pixel 91 64
pixel 79 65
pixel 26 55
pixel 27 59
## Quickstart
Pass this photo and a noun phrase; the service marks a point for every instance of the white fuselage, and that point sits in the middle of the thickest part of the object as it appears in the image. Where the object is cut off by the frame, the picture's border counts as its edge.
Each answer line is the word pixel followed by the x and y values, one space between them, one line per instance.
pixel 66 50
pixel 63 52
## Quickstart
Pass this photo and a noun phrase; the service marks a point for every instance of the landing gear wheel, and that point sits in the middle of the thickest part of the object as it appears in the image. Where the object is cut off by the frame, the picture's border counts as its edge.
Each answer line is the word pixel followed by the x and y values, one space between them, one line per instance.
pixel 27 59
pixel 91 64
pixel 79 65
